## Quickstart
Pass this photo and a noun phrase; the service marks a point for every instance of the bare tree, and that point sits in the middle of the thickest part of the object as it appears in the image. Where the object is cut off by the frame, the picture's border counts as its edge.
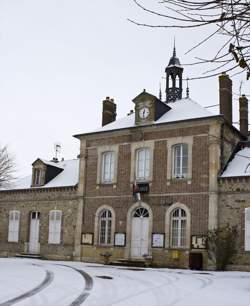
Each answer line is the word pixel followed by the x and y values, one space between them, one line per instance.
pixel 228 18
pixel 6 167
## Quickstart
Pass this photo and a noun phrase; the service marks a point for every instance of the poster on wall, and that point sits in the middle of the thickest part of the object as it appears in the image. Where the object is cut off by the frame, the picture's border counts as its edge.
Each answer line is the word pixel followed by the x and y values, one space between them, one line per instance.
pixel 87 239
pixel 120 239
pixel 199 242
pixel 158 240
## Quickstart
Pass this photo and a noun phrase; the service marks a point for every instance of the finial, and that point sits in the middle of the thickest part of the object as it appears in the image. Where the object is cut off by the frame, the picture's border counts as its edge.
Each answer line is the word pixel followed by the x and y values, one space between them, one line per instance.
pixel 187 90
pixel 160 93
pixel 174 52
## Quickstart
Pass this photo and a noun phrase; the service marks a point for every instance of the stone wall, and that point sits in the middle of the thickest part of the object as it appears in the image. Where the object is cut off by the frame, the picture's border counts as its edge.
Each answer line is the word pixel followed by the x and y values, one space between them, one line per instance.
pixel 42 200
pixel 234 198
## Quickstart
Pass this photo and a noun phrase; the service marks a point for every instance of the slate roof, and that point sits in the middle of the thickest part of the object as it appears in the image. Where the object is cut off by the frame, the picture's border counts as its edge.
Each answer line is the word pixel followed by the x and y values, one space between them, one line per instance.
pixel 68 177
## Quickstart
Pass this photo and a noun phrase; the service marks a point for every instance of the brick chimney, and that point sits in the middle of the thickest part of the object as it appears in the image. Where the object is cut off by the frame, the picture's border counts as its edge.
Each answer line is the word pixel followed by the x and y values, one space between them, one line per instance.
pixel 108 111
pixel 225 89
pixel 243 101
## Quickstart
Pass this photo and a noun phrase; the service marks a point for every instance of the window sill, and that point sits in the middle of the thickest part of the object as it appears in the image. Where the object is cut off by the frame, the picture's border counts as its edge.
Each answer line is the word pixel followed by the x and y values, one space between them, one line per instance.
pixel 104 245
pixel 180 179
pixel 113 184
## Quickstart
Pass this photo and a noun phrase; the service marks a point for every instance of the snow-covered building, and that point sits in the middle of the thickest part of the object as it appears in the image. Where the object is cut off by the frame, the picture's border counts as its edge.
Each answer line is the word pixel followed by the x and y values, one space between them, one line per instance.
pixel 148 186
pixel 39 212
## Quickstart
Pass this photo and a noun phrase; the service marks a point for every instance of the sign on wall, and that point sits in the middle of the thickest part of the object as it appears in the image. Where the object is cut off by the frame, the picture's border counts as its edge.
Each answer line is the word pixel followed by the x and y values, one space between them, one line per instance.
pixel 158 240
pixel 120 239
pixel 199 242
pixel 87 238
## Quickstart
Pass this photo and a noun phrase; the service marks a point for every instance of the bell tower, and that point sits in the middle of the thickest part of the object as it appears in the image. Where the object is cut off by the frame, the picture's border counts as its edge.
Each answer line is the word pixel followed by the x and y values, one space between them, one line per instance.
pixel 174 72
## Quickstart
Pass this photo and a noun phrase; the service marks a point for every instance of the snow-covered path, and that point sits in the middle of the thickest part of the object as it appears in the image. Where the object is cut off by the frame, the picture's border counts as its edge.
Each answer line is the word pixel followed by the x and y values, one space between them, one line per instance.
pixel 73 283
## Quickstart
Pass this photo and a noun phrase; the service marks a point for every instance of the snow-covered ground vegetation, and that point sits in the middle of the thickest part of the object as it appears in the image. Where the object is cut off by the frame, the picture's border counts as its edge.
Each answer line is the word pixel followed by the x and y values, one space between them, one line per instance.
pixel 36 282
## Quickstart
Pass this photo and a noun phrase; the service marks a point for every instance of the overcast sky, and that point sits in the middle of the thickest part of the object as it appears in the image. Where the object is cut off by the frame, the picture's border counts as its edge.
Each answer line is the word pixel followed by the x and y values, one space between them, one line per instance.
pixel 60 58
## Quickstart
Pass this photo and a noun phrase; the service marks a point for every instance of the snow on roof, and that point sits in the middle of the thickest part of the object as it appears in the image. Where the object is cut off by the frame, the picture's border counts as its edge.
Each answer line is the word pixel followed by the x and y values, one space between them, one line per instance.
pixel 239 165
pixel 183 109
pixel 68 177
pixel 51 163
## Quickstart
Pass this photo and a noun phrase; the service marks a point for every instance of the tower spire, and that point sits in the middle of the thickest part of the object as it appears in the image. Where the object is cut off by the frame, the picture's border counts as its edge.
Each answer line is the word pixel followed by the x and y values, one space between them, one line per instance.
pixel 160 93
pixel 174 51
pixel 174 72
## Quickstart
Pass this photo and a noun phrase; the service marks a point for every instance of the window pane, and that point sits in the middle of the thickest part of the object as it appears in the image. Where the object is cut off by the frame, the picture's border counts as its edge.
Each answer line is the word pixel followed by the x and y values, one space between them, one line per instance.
pixel 108 166
pixel 143 164
pixel 180 160
pixel 179 225
pixel 105 227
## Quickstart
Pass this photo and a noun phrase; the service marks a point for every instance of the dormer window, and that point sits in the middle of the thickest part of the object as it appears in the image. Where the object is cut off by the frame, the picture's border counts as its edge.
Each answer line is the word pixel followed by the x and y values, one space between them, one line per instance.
pixel 37 177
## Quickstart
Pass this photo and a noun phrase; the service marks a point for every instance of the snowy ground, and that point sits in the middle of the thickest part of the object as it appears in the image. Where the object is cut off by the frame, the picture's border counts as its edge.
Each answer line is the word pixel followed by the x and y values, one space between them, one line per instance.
pixel 36 282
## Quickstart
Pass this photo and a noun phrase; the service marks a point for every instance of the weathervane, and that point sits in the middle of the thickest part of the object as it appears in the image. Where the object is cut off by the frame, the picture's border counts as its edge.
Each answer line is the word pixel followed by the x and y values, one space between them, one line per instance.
pixel 57 148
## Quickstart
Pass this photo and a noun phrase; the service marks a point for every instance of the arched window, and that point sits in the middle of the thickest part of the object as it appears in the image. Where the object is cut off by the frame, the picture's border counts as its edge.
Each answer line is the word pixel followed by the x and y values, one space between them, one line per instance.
pixel 14 221
pixel 108 163
pixel 55 221
pixel 105 227
pixel 142 164
pixel 180 160
pixel 141 213
pixel 178 228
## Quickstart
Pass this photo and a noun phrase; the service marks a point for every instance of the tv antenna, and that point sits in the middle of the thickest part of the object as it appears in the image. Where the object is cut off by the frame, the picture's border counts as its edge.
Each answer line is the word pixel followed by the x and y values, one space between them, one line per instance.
pixel 58 149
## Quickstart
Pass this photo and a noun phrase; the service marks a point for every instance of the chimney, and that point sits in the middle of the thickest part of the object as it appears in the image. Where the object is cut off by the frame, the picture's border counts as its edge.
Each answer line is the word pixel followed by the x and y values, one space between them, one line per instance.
pixel 225 88
pixel 243 101
pixel 108 111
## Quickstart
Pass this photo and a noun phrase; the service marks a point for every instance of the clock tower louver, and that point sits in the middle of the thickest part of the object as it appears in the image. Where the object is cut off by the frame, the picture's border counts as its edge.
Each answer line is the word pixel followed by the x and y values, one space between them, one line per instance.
pixel 174 72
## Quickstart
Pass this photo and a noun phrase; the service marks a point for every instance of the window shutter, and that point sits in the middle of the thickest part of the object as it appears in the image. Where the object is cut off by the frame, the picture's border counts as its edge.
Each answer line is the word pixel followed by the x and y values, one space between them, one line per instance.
pixel 247 229
pixel 14 220
pixel 55 220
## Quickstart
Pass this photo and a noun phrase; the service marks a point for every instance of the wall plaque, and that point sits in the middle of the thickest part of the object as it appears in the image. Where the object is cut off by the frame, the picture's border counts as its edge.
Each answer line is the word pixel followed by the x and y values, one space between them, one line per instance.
pixel 120 239
pixel 87 238
pixel 199 242
pixel 158 240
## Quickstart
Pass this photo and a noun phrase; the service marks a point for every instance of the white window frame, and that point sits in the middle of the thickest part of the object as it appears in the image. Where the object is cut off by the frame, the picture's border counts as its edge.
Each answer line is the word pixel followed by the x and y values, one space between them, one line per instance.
pixel 142 164
pixel 55 226
pixel 37 177
pixel 14 224
pixel 168 225
pixel 179 170
pixel 108 167
pixel 105 227
pixel 247 229
pixel 171 142
pixel 100 151
pixel 178 228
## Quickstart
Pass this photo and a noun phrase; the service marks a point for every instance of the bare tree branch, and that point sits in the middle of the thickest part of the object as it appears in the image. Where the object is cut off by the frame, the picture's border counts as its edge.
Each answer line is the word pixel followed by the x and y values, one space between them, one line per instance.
pixel 229 18
pixel 7 167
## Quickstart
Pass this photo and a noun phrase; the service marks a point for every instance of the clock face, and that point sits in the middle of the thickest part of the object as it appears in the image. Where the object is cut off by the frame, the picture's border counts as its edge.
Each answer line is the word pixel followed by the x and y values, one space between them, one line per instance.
pixel 144 112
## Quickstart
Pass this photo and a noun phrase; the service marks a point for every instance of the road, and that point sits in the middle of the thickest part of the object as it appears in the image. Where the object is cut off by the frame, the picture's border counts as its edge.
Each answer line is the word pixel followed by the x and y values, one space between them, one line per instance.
pixel 36 283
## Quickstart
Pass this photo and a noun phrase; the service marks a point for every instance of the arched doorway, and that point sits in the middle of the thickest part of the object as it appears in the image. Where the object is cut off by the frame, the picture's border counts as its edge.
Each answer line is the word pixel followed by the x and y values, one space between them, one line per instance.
pixel 140 233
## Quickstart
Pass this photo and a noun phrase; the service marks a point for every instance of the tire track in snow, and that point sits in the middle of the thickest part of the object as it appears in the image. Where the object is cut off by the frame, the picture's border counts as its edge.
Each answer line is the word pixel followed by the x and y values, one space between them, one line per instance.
pixel 45 283
pixel 88 286
pixel 168 281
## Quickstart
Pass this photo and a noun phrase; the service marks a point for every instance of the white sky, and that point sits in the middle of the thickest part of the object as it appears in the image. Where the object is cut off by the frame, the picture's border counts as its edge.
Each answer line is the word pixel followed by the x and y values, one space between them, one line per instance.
pixel 60 58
